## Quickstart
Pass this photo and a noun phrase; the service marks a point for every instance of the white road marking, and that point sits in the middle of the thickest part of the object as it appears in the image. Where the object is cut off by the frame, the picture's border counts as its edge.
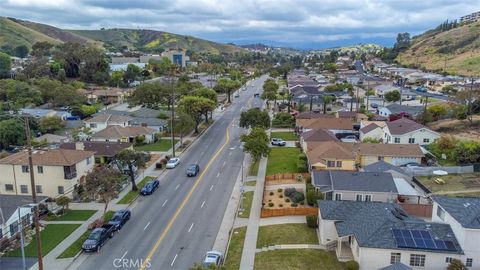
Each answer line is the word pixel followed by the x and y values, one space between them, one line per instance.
pixel 232 148
pixel 218 174
pixel 191 226
pixel 177 186
pixel 211 187
pixel 164 202
pixel 123 255
pixel 203 203
pixel 174 258
pixel 146 226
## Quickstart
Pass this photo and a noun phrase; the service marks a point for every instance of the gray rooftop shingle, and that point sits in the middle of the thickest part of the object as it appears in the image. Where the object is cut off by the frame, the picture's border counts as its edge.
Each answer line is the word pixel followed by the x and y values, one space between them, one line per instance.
pixel 396 266
pixel 354 181
pixel 382 166
pixel 464 210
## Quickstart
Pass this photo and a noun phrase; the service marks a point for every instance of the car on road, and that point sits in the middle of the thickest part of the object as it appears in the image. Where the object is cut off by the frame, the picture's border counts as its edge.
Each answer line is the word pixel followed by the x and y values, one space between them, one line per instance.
pixel 98 238
pixel 193 170
pixel 119 219
pixel 212 258
pixel 256 95
pixel 172 163
pixel 278 142
pixel 150 187
pixel 374 105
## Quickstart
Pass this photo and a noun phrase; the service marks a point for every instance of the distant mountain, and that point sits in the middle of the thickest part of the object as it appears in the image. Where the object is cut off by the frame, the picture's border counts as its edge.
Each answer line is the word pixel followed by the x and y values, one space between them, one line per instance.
pixel 458 49
pixel 14 32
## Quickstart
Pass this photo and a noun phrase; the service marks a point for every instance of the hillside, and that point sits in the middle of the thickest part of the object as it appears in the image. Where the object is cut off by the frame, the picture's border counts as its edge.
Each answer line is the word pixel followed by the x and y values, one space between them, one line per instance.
pixel 459 47
pixel 14 32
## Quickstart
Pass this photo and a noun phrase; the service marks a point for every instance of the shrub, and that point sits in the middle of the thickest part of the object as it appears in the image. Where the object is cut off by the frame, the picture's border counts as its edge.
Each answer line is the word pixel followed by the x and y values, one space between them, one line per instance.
pixel 302 166
pixel 271 204
pixel 289 191
pixel 311 197
pixel 352 265
pixel 280 196
pixel 271 193
pixel 312 221
pixel 456 264
pixel 302 157
pixel 279 190
pixel 298 145
pixel 297 197
pixel 294 205
pixel 280 205
pixel 302 203
pixel 287 200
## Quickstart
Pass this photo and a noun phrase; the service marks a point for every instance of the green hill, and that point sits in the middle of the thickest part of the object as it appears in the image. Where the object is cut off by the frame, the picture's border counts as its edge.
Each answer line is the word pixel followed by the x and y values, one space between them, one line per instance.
pixel 458 48
pixel 14 32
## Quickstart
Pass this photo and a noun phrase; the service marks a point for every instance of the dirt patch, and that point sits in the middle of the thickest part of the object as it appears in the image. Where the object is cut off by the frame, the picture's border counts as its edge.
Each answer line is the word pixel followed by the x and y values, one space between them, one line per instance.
pixel 279 200
pixel 461 129
pixel 153 159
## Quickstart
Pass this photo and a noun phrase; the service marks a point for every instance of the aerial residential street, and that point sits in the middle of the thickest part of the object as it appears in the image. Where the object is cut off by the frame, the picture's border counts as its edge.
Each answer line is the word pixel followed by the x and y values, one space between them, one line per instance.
pixel 177 224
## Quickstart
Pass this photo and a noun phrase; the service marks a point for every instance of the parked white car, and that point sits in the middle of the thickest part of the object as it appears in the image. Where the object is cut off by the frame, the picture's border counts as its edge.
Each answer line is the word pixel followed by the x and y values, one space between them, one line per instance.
pixel 213 258
pixel 172 163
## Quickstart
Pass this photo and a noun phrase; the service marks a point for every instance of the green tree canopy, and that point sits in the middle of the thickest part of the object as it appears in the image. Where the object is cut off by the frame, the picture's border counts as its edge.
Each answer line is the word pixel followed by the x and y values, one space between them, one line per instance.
pixel 5 65
pixel 256 143
pixel 102 183
pixel 51 124
pixel 392 96
pixel 226 85
pixel 130 161
pixel 254 118
pixel 195 107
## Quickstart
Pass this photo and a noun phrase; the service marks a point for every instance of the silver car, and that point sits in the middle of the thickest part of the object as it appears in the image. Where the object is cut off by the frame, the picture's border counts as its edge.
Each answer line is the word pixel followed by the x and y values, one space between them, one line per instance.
pixel 172 163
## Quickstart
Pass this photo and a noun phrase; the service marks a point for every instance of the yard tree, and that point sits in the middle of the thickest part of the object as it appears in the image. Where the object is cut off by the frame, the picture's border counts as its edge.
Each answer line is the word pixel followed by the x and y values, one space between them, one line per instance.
pixel 226 85
pixel 270 86
pixel 5 65
pixel 151 95
pixel 269 96
pixel 130 161
pixel 209 94
pixel 392 96
pixel 368 93
pixel 196 107
pixel 183 125
pixel 256 143
pixel 102 183
pixel 326 99
pixel 41 48
pixel 469 98
pixel 51 124
pixel 283 120
pixel 131 73
pixel 21 51
pixel 63 201
pixel 437 111
pixel 254 118
pixel 12 132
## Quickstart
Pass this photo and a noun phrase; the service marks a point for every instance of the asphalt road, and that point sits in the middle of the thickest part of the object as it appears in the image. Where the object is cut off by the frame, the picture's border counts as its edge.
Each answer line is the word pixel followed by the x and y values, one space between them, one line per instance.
pixel 175 226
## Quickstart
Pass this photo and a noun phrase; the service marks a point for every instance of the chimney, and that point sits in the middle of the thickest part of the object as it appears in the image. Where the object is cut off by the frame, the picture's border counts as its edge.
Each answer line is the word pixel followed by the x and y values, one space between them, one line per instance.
pixel 79 146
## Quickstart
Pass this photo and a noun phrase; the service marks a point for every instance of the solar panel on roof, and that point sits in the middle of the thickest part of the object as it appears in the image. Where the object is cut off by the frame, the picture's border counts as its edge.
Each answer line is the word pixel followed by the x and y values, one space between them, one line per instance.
pixel 420 239
pixel 440 244
pixel 416 234
pixel 450 245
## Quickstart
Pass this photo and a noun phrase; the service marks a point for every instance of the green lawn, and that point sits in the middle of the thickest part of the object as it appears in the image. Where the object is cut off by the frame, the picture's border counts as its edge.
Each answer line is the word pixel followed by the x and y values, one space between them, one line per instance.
pixel 251 183
pixel 281 234
pixel 247 204
pixel 108 215
pixel 51 236
pixel 235 249
pixel 162 145
pixel 297 259
pixel 130 196
pixel 75 247
pixel 283 160
pixel 75 215
pixel 454 182
pixel 287 136
pixel 253 169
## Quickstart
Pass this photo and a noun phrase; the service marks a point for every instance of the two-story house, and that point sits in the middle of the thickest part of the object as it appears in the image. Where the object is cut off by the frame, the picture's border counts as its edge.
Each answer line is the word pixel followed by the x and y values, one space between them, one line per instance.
pixel 463 215
pixel 102 121
pixel 56 171
pixel 406 131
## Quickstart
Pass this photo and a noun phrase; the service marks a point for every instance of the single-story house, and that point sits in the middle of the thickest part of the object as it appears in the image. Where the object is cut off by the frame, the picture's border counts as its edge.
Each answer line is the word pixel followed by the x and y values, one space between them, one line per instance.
pixel 104 151
pixel 124 134
pixel 102 120
pixel 317 135
pixel 144 117
pixel 396 108
pixel 396 154
pixel 312 115
pixel 336 125
pixel 51 139
pixel 404 130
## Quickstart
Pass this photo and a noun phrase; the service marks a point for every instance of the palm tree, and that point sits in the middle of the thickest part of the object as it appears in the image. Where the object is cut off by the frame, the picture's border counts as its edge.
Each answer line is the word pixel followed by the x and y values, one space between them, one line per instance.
pixel 368 93
pixel 327 99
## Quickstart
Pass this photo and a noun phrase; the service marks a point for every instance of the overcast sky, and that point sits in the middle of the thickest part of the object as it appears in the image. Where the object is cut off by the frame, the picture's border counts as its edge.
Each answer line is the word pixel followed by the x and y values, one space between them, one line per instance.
pixel 295 23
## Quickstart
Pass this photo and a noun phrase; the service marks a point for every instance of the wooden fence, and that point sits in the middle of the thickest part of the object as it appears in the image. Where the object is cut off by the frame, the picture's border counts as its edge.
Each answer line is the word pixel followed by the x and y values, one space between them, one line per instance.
pixel 419 210
pixel 288 212
pixel 284 176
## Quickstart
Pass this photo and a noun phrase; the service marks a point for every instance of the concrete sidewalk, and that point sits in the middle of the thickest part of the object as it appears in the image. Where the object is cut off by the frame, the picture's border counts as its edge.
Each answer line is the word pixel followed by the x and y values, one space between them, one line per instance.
pixel 250 245
pixel 282 220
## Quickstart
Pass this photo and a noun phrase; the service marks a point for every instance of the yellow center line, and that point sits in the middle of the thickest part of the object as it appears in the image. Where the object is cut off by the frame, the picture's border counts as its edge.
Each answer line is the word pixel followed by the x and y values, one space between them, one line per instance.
pixel 184 202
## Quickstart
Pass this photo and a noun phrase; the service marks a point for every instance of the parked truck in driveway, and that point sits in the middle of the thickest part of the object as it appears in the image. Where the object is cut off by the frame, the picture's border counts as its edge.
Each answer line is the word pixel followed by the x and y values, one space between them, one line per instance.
pixel 98 238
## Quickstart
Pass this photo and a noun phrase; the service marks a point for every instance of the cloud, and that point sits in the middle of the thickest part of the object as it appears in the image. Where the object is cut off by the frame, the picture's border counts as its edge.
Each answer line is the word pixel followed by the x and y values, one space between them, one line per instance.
pixel 296 23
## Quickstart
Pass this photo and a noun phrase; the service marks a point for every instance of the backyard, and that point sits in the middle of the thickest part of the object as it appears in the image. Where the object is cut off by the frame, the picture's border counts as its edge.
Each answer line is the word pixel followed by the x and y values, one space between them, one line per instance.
pixel 453 182
pixel 284 234
pixel 297 259
pixel 161 145
pixel 131 195
pixel 283 160
pixel 235 249
pixel 287 136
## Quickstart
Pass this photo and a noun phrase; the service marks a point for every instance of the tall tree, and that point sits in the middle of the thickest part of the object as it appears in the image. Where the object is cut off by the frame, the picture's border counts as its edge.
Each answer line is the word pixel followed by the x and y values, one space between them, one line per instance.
pixel 183 125
pixel 254 118
pixel 151 95
pixel 368 93
pixel 256 143
pixel 130 161
pixel 196 107
pixel 12 132
pixel 225 85
pixel 102 183
pixel 326 99
pixel 5 65
pixel 21 51
pixel 392 96
pixel 469 97
pixel 51 124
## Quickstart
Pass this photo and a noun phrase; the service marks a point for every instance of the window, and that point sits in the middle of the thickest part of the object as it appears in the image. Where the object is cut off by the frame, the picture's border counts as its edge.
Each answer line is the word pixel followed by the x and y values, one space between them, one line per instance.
pixel 359 197
pixel 368 198
pixel 395 257
pixel 25 169
pixel 9 187
pixel 417 260
pixel 339 164
pixel 23 188
pixel 448 259
pixel 60 190
pixel 426 140
pixel 440 213
pixel 89 160
pixel 330 163
pixel 338 196
pixel 38 189
pixel 469 262
pixel 411 140
pixel 40 169
pixel 397 140
pixel 98 160
pixel 380 158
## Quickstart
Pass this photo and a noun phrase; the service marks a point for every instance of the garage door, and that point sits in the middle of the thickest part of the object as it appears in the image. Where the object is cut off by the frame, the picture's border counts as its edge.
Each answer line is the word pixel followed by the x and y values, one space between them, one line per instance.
pixel 397 161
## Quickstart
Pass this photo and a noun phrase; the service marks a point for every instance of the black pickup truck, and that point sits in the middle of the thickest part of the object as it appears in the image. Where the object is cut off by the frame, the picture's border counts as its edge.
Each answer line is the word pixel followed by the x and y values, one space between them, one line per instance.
pixel 98 238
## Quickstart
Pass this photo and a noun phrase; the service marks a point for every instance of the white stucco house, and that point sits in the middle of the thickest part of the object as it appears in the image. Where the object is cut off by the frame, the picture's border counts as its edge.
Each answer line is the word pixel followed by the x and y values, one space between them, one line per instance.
pixel 463 215
pixel 396 108
pixel 14 208
pixel 377 235
pixel 406 131
pixel 102 121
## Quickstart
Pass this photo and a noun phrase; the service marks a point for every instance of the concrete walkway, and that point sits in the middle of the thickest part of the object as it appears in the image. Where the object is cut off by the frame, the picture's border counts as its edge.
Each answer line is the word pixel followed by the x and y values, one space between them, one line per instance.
pixel 282 220
pixel 250 246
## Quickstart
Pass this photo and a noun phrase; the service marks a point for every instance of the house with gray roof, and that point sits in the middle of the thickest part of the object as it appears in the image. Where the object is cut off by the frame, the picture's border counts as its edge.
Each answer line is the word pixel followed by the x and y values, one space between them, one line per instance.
pixel 396 108
pixel 463 215
pixel 406 131
pixel 378 234
pixel 355 186
pixel 144 117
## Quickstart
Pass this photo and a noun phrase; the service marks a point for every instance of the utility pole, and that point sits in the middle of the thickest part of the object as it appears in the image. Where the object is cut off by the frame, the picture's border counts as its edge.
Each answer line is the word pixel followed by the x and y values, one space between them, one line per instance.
pixel 172 98
pixel 34 194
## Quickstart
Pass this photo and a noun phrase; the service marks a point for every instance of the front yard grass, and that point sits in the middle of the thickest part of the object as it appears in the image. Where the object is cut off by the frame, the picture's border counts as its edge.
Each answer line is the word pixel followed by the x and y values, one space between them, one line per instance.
pixel 161 145
pixel 287 136
pixel 235 249
pixel 251 183
pixel 297 259
pixel 75 247
pixel 247 204
pixel 282 234
pixel 75 215
pixel 131 195
pixel 51 236
pixel 453 182
pixel 283 160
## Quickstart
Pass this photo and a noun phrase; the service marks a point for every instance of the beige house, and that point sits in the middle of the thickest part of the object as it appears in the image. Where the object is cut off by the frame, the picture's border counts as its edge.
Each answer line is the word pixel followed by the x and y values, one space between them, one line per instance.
pixel 102 121
pixel 56 171
pixel 331 155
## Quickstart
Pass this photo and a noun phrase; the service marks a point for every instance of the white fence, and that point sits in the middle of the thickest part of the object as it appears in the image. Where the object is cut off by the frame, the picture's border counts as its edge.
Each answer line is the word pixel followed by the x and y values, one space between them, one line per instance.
pixel 429 170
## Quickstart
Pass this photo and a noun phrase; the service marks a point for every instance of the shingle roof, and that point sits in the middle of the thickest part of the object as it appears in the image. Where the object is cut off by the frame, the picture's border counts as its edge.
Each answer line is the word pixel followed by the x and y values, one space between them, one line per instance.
pixel 369 128
pixel 382 149
pixel 403 125
pixel 312 115
pixel 327 123
pixel 318 135
pixel 396 266
pixel 108 118
pixel 372 222
pixel 396 108
pixel 116 132
pixel 48 157
pixel 319 151
pixel 355 181
pixel 464 210
pixel 9 204
pixel 108 149
pixel 382 166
